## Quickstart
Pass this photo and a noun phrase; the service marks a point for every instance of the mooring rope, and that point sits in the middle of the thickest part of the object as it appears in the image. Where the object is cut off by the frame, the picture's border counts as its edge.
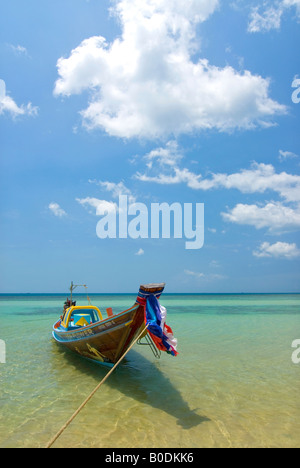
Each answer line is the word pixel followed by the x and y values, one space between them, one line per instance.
pixel 49 445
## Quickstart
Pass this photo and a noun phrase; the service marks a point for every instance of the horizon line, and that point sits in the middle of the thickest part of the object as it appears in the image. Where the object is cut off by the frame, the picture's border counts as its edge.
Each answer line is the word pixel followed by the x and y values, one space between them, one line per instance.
pixel 133 293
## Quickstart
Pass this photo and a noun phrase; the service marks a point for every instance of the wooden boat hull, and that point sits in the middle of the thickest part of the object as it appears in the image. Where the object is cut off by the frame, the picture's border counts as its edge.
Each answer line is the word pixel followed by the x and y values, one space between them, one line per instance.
pixel 105 341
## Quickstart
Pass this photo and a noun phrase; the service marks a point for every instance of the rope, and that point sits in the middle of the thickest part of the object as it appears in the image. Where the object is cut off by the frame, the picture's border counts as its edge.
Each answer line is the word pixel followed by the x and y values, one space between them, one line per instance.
pixel 49 445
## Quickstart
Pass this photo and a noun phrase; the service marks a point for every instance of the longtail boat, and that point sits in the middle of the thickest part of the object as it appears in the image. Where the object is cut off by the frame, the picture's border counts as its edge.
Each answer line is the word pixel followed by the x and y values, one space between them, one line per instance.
pixel 85 331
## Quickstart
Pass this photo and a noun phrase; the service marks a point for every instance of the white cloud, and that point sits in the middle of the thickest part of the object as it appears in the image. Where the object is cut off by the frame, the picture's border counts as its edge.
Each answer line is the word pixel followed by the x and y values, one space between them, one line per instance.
pixel 145 84
pixel 278 250
pixel 168 156
pixel 9 106
pixel 202 276
pixel 57 210
pixel 19 50
pixel 140 253
pixel 193 273
pixel 259 179
pixel 116 189
pixel 269 19
pixel 274 216
pixel 284 155
pixel 101 207
pixel 291 3
pixel 163 168
pixel 268 16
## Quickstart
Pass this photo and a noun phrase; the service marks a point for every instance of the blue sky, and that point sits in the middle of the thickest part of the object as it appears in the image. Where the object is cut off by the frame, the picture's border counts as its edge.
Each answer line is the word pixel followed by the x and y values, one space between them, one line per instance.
pixel 164 101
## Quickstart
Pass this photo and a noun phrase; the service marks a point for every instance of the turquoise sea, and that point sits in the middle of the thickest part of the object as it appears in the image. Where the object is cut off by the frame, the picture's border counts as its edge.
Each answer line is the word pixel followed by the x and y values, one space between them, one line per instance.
pixel 233 384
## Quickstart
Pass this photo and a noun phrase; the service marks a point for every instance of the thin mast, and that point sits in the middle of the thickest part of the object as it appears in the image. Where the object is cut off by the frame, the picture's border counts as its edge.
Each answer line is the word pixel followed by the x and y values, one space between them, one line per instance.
pixel 74 286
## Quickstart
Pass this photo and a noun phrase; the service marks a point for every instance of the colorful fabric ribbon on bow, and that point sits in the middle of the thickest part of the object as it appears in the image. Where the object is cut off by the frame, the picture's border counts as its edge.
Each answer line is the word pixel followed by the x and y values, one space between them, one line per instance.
pixel 161 333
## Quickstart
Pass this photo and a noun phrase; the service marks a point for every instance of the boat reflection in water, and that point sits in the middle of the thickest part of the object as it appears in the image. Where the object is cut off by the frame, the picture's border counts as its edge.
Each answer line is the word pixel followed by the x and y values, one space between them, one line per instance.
pixel 141 379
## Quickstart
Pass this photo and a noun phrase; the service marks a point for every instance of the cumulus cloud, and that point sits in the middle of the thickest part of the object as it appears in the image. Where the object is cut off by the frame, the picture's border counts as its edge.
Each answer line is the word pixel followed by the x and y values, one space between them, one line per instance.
pixel 115 189
pixel 258 179
pixel 274 216
pixel 9 106
pixel 168 156
pixel 178 176
pixel 278 250
pixel 57 210
pixel 140 252
pixel 102 207
pixel 145 83
pixel 163 167
pixel 99 207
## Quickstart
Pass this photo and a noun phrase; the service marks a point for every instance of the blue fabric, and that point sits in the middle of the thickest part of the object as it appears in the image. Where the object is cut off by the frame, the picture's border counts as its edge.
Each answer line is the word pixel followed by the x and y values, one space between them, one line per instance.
pixel 155 327
pixel 153 316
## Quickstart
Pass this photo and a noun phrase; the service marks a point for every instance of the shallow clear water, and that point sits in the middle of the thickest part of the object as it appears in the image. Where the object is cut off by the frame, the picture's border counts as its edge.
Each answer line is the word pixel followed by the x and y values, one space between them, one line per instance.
pixel 232 385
